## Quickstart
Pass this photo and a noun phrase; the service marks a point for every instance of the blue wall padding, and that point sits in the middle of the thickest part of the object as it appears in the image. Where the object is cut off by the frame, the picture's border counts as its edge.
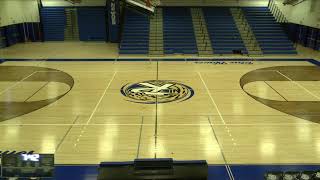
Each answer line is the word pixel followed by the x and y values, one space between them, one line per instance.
pixel 92 24
pixel 12 34
pixel 3 42
pixel 54 22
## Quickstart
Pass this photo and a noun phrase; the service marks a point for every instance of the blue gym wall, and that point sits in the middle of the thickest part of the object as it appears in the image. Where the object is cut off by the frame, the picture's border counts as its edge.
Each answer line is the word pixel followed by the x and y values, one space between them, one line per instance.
pixel 12 34
pixel 3 42
pixel 53 20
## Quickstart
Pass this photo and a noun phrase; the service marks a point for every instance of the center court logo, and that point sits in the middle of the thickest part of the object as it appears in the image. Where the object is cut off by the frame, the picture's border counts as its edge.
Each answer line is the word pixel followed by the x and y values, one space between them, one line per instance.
pixel 161 91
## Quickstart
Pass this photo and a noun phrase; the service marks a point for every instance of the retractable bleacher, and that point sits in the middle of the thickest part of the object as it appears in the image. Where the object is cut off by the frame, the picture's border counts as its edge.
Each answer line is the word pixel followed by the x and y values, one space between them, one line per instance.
pixel 223 32
pixel 135 34
pixel 178 32
pixel 269 33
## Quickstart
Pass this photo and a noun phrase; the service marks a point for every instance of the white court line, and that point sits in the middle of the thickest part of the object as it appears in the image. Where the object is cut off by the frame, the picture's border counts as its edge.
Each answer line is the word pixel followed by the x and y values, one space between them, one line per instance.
pixel 15 84
pixel 144 71
pixel 104 93
pixel 224 123
pixel 164 124
pixel 312 94
pixel 212 100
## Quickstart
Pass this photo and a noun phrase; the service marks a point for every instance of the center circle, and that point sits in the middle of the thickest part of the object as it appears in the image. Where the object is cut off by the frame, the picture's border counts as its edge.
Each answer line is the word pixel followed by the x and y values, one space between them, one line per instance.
pixel 157 91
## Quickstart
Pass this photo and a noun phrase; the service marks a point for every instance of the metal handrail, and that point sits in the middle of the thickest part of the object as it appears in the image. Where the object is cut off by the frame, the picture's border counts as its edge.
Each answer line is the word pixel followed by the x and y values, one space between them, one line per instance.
pixel 201 25
pixel 249 33
pixel 275 10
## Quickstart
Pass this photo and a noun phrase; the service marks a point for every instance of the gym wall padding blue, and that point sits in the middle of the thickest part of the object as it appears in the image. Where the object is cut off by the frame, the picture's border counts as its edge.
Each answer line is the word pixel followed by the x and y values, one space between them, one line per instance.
pixel 12 34
pixel 304 35
pixel 312 38
pixel 54 21
pixel 31 30
pixel 3 42
pixel 92 23
pixel 178 31
pixel 113 11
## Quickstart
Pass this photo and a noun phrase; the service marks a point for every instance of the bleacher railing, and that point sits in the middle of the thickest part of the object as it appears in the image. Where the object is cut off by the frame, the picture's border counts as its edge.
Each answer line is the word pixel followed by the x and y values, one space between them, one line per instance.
pixel 247 28
pixel 202 28
pixel 276 12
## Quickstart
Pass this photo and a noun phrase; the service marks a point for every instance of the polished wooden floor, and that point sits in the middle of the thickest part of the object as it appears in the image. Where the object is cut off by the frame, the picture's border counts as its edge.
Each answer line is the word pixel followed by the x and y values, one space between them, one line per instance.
pixel 221 123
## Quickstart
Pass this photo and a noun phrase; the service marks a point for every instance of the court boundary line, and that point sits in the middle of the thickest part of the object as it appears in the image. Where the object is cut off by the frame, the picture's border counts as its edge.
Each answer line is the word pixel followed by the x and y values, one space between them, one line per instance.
pixel 229 171
pixel 66 134
pixel 94 110
pixel 204 115
pixel 211 98
pixel 140 135
pixel 156 118
pixel 196 124
pixel 102 96
pixel 164 124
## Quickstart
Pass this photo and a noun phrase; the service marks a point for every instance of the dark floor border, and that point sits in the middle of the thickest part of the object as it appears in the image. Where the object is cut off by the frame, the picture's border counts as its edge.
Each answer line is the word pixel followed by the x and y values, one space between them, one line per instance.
pixel 240 172
pixel 312 61
pixel 163 59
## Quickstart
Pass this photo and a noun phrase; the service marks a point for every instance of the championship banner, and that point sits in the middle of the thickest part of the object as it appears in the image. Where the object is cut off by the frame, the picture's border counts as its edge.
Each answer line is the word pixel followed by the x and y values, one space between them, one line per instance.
pixel 113 8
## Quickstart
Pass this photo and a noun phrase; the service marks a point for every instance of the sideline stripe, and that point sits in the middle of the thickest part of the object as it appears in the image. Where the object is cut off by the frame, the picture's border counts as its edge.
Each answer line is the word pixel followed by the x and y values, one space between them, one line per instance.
pixel 231 177
pixel 150 124
pixel 104 93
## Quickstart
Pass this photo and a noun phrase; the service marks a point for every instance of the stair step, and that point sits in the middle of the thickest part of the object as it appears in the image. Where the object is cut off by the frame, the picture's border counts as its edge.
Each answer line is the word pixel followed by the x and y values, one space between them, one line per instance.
pixel 201 32
pixel 156 34
pixel 246 33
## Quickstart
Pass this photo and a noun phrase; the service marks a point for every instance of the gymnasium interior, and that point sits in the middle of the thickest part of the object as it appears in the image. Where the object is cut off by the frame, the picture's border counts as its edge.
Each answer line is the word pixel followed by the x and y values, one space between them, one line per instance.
pixel 160 89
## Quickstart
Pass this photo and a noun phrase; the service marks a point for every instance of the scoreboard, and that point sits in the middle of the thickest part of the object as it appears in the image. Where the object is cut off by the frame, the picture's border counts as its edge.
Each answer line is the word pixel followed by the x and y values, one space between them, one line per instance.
pixel 27 165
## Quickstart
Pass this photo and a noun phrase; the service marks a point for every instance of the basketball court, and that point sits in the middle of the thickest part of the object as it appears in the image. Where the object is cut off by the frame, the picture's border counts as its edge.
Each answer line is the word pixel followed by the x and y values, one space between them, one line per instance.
pixel 88 112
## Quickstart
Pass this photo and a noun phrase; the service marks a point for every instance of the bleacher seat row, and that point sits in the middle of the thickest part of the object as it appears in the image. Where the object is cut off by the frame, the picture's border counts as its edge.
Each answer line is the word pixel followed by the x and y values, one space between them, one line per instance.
pixel 135 34
pixel 178 32
pixel 223 32
pixel 269 34
pixel 179 36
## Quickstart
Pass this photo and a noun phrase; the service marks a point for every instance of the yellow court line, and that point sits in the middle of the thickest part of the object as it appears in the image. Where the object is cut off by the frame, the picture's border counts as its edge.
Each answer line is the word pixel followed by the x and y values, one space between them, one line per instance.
pixel 104 93
pixel 165 124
